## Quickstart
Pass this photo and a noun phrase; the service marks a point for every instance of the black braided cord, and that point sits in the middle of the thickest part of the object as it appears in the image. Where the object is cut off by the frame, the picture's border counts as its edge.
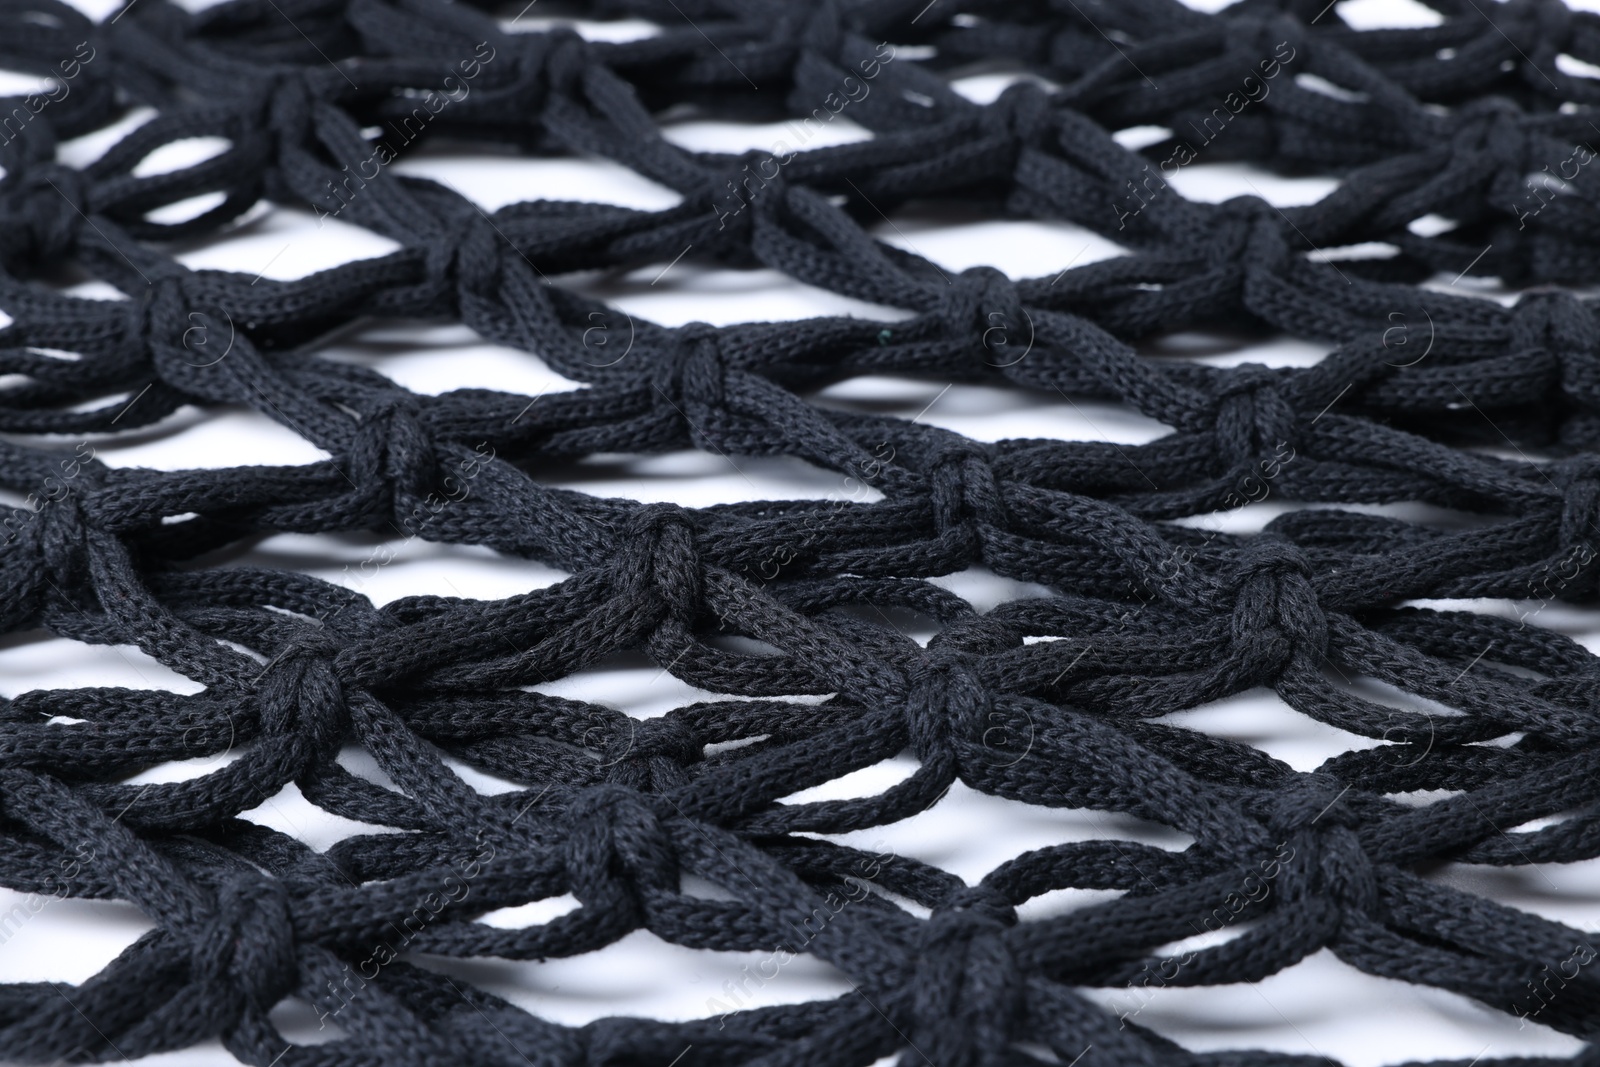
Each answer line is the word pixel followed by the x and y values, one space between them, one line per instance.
pixel 1495 424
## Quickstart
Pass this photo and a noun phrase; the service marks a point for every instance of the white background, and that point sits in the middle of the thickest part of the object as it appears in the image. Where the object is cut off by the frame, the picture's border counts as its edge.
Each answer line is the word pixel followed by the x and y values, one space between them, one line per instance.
pixel 1319 1006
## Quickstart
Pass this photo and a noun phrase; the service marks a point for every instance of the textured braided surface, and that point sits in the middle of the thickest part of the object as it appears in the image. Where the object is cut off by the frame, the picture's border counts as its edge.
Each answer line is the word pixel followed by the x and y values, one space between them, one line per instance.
pixel 1054 701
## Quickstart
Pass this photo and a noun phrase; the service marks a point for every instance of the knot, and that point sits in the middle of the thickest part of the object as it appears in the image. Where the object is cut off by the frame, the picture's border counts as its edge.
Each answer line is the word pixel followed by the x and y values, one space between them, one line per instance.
pixel 982 303
pixel 1579 479
pixel 392 460
pixel 751 184
pixel 465 255
pixel 41 208
pixel 281 99
pixel 1256 36
pixel 543 65
pixel 1492 124
pixel 945 701
pixel 616 849
pixel 248 947
pixel 1491 137
pixel 1309 800
pixel 1246 238
pixel 1317 845
pixel 667 737
pixel 982 900
pixel 1022 114
pixel 968 994
pixel 62 531
pixel 1545 29
pixel 649 755
pixel 821 30
pixel 965 492
pixel 690 383
pixel 301 699
pixel 662 536
pixel 195 345
pixel 1253 418
pixel 309 644
pixel 1559 326
pixel 52 554
pixel 1276 617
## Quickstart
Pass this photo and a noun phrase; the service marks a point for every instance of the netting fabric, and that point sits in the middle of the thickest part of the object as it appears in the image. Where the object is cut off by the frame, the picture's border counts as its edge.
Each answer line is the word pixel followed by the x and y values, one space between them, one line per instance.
pixel 1487 414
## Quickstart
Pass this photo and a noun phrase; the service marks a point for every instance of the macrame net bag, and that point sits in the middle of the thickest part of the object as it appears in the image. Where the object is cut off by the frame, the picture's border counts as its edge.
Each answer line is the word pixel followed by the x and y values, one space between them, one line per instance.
pixel 1480 416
